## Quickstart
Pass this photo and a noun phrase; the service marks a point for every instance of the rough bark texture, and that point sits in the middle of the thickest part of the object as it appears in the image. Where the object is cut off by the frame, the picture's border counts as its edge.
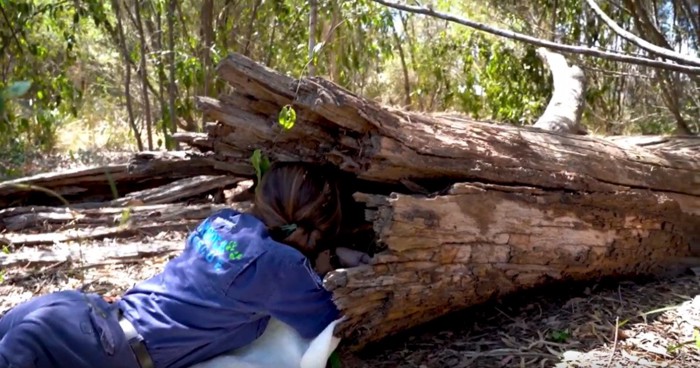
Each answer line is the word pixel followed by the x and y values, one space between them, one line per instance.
pixel 477 242
pixel 62 224
pixel 144 171
pixel 563 113
pixel 463 211
pixel 55 218
pixel 381 144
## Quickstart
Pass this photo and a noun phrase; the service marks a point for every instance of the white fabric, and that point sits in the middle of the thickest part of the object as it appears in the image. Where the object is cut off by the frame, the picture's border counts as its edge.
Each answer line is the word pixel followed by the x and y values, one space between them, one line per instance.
pixel 280 346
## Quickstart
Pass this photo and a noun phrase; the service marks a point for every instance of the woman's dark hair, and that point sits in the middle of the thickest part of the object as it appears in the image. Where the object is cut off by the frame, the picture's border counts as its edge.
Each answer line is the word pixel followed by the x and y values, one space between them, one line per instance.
pixel 300 205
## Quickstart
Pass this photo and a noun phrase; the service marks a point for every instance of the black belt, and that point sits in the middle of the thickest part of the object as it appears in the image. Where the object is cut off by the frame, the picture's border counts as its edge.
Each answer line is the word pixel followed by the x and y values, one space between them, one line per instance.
pixel 134 340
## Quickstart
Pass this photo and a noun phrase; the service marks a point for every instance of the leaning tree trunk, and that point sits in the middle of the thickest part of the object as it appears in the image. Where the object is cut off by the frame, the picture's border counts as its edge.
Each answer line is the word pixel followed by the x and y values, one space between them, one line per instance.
pixel 462 211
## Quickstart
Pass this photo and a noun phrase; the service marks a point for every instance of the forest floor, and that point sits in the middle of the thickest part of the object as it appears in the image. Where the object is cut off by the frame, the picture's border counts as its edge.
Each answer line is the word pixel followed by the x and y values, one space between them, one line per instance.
pixel 623 323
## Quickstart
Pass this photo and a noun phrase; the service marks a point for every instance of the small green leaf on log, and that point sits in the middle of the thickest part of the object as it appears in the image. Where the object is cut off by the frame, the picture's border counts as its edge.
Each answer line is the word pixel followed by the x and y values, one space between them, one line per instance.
pixel 287 117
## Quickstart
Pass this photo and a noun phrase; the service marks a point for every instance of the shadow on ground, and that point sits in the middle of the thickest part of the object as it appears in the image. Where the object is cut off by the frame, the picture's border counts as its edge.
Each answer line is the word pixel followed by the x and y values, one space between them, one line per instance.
pixel 535 329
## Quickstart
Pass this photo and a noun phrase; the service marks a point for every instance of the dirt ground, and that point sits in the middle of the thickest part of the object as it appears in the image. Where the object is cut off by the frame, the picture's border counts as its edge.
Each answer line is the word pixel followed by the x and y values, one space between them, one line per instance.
pixel 562 326
pixel 622 323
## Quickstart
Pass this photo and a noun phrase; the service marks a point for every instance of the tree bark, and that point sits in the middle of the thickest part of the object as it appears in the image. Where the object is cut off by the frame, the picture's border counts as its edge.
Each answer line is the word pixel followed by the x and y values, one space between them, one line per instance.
pixel 144 76
pixel 563 113
pixel 52 218
pixel 104 183
pixel 127 76
pixel 383 144
pixel 463 211
pixel 313 16
pixel 478 242
pixel 85 257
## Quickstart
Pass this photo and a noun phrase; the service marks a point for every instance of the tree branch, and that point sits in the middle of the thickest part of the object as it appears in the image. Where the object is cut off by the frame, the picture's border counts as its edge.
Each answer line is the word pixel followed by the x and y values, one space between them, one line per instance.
pixel 588 51
pixel 648 46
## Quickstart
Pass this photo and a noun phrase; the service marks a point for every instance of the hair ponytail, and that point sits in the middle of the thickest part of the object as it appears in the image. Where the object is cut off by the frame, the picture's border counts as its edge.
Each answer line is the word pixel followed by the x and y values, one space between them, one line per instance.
pixel 299 204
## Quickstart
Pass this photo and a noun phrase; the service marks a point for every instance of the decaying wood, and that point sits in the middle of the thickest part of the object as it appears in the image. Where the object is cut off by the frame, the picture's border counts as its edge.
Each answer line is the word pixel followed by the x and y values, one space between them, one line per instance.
pixel 484 209
pixel 53 218
pixel 563 113
pixel 74 224
pixel 82 257
pixel 660 144
pixel 477 242
pixel 145 170
pixel 178 190
pixel 76 235
pixel 386 145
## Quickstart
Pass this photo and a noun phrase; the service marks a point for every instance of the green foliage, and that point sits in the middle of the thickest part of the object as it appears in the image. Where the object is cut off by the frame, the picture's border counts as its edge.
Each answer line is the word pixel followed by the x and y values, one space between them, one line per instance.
pixel 287 117
pixel 260 163
pixel 334 360
pixel 71 51
pixel 560 336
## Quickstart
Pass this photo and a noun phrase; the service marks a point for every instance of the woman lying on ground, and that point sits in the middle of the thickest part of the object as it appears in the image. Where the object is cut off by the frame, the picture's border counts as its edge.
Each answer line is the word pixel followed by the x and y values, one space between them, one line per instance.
pixel 236 272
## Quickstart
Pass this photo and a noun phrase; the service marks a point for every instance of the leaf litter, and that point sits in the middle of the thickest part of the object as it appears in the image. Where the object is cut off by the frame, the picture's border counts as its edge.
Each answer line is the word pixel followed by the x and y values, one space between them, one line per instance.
pixel 624 323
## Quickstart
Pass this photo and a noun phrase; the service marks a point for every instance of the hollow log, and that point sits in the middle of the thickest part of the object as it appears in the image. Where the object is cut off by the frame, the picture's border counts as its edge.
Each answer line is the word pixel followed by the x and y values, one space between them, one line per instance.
pixel 463 211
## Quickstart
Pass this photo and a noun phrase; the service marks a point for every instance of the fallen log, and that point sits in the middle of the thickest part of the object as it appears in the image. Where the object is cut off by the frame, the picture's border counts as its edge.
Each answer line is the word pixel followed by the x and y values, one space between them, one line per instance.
pixel 145 170
pixel 15 241
pixel 178 190
pixel 76 225
pixel 462 211
pixel 43 218
pixel 86 256
pixel 382 144
pixel 477 242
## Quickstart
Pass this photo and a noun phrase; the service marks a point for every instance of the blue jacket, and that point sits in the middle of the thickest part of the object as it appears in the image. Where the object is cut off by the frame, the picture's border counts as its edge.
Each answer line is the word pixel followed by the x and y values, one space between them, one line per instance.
pixel 220 292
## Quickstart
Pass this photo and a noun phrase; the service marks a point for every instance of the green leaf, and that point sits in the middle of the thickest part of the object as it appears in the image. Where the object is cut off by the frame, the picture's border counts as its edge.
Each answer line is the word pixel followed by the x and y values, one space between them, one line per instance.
pixel 287 117
pixel 260 163
pixel 5 249
pixel 17 89
pixel 334 359
pixel 126 214
pixel 560 336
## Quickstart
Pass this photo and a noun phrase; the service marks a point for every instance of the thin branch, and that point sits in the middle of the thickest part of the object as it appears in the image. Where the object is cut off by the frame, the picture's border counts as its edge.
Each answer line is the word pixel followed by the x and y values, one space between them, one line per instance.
pixel 589 51
pixel 648 46
pixel 12 28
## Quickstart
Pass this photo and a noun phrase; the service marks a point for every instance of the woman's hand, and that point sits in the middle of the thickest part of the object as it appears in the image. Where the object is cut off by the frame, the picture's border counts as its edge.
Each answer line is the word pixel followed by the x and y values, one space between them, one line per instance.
pixel 351 258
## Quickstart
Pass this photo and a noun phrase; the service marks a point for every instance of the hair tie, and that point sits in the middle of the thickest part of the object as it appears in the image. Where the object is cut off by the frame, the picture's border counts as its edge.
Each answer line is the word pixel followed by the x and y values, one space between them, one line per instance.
pixel 288 229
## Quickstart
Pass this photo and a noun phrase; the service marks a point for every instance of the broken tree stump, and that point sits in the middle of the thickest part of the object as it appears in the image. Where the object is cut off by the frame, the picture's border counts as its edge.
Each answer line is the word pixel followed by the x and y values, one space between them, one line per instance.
pixel 462 211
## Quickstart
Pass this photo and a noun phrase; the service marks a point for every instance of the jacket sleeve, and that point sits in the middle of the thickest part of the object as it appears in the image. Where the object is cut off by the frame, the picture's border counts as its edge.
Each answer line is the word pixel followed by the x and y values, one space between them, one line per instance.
pixel 289 290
